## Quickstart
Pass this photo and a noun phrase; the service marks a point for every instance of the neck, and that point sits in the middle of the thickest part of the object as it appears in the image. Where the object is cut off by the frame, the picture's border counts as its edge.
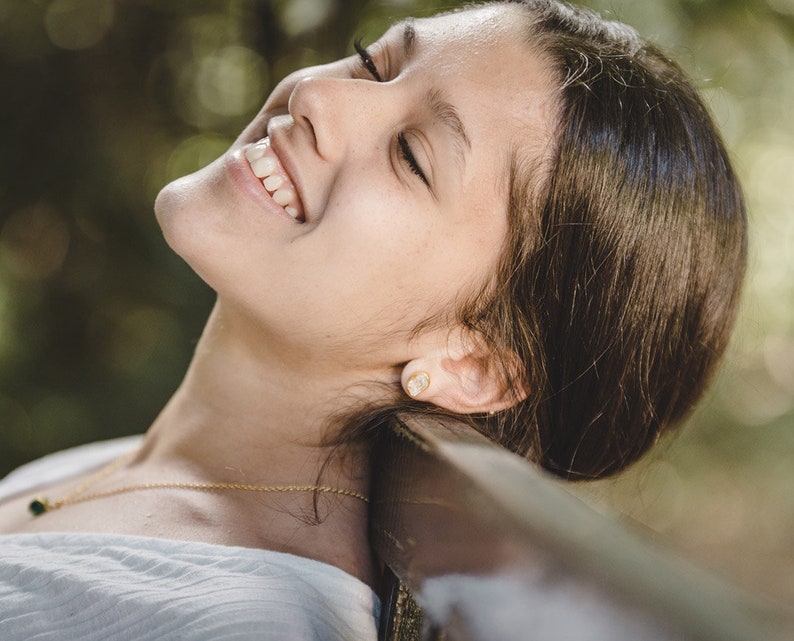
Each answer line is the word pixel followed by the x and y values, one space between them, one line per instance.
pixel 241 416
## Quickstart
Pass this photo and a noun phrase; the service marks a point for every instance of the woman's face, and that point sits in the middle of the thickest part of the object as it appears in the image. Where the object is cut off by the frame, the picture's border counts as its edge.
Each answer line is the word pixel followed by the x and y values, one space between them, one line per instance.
pixel 394 169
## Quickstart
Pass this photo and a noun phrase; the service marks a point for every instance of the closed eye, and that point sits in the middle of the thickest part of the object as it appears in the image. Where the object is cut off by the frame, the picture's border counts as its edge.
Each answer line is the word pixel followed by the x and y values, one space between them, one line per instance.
pixel 406 152
pixel 410 159
pixel 366 60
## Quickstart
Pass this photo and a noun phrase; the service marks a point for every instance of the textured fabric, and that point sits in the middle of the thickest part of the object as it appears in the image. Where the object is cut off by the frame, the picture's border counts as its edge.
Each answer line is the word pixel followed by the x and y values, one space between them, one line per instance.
pixel 68 586
pixel 62 465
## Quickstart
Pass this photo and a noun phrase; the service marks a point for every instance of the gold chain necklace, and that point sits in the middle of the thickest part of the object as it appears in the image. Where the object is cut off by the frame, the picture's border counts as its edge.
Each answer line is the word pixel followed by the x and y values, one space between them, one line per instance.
pixel 41 504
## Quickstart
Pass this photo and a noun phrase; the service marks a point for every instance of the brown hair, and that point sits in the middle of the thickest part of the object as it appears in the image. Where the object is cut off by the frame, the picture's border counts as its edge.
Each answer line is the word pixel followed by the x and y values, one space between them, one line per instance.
pixel 619 283
pixel 624 301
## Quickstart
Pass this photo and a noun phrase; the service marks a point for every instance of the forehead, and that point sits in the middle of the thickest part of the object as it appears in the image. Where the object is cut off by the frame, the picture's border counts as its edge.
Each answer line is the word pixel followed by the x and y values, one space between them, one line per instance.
pixel 484 62
pixel 486 24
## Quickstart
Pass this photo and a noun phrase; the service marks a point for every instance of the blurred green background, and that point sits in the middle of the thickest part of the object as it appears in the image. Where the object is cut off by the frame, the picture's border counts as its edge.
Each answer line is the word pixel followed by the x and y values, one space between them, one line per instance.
pixel 105 101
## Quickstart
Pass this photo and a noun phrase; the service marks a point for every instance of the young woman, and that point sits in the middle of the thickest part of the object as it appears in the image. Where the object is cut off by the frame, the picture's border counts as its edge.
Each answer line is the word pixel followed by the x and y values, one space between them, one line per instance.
pixel 516 213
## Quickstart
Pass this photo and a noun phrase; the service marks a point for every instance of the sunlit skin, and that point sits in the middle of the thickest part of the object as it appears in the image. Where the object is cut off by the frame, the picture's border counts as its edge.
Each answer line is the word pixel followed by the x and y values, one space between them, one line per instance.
pixel 380 250
pixel 315 315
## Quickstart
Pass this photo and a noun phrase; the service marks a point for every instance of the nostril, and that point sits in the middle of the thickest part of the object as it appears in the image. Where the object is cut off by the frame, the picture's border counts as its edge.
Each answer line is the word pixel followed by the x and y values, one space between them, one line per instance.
pixel 310 128
pixel 311 108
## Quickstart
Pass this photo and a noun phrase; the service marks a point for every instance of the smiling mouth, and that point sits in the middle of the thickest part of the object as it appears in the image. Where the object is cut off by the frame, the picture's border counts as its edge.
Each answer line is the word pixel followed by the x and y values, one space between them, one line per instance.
pixel 268 168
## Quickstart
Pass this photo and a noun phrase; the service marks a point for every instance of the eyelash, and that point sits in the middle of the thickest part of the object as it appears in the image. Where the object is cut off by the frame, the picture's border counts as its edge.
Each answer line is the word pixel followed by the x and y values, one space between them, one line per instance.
pixel 405 149
pixel 366 60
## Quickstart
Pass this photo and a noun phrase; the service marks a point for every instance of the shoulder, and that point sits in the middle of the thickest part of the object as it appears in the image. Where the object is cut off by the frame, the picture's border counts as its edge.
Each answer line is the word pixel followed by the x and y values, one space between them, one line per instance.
pixel 147 588
pixel 64 464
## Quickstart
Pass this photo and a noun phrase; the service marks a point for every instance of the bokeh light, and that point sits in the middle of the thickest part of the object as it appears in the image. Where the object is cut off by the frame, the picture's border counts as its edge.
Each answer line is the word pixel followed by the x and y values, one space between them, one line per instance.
pixel 194 153
pixel 299 16
pixel 78 24
pixel 34 242
pixel 105 101
pixel 231 82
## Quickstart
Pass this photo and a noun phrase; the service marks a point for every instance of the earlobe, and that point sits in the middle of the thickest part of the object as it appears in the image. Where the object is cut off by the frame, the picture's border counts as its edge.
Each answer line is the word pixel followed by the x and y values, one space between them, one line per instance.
pixel 464 384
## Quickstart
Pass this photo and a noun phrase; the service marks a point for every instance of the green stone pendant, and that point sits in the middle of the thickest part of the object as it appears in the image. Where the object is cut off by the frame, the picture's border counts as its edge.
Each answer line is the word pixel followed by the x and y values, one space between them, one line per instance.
pixel 39 506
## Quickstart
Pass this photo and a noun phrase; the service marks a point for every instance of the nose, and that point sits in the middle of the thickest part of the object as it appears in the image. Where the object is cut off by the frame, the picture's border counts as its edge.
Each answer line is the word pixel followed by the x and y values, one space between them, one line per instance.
pixel 336 112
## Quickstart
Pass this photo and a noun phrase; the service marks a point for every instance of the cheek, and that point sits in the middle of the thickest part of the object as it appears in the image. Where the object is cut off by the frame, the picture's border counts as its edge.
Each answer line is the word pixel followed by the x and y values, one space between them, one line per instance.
pixel 393 255
pixel 394 267
pixel 382 225
pixel 367 248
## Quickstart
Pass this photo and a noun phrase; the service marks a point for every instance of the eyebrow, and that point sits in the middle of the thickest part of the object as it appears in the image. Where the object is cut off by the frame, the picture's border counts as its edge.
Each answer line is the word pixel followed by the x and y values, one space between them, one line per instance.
pixel 446 114
pixel 409 37
pixel 443 111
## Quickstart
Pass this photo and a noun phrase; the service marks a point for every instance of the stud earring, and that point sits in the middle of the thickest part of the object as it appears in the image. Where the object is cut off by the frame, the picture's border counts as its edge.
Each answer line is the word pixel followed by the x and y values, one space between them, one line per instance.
pixel 417 383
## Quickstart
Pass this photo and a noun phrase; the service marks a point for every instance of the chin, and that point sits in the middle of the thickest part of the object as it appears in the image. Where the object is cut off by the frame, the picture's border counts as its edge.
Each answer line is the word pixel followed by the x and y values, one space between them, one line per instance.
pixel 183 210
pixel 169 208
pixel 193 214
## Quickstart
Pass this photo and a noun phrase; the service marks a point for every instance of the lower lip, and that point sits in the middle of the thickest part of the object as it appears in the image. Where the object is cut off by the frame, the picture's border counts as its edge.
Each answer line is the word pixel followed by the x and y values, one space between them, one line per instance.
pixel 240 171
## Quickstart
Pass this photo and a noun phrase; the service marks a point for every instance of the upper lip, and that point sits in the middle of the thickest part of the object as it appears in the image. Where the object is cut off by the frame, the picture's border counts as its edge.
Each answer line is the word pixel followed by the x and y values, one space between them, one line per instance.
pixel 287 161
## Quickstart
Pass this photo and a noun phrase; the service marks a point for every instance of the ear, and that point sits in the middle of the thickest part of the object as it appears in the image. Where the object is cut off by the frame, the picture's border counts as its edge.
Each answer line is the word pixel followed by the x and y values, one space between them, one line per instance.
pixel 464 381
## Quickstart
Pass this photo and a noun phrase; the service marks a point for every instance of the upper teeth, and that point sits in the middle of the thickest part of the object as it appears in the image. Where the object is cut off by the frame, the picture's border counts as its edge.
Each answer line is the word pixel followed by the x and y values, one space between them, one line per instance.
pixel 266 166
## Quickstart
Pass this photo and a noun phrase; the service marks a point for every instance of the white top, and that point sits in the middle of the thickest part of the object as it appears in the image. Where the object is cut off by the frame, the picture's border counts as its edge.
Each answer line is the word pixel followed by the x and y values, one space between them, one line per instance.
pixel 68 586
